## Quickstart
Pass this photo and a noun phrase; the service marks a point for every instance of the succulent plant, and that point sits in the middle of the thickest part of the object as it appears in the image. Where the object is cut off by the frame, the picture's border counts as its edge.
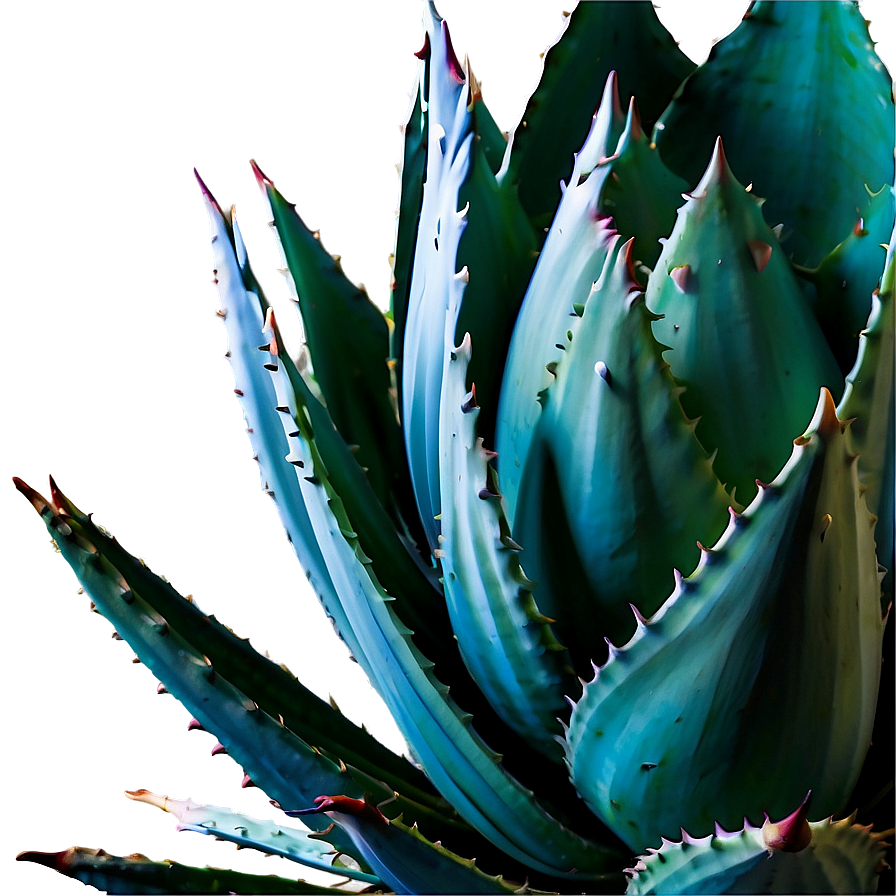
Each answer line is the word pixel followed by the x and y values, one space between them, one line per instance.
pixel 602 506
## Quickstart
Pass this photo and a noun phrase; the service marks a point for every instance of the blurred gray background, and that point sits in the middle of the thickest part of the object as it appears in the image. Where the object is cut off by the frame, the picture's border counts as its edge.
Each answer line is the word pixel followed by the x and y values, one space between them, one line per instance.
pixel 112 375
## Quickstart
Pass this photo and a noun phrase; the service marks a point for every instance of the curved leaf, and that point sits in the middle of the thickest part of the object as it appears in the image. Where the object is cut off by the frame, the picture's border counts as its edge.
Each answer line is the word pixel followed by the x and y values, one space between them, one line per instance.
pixel 805 108
pixel 682 726
pixel 624 37
pixel 730 301
pixel 617 491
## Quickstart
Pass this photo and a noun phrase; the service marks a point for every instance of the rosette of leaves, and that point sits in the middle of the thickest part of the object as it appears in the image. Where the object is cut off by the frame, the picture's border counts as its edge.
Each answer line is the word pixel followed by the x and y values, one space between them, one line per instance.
pixel 603 504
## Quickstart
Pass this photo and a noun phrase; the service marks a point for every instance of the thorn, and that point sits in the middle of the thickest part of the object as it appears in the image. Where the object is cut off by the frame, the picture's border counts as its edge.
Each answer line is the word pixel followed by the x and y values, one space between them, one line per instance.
pixel 642 620
pixel 116 637
pixel 760 252
pixel 792 833
pixel 454 66
pixel 248 782
pixel 424 51
pixel 195 725
pixel 219 750
pixel 161 689
pixel 681 277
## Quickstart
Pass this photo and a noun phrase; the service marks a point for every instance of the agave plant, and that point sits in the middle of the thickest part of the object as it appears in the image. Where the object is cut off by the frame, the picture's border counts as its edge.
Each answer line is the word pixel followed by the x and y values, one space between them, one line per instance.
pixel 602 506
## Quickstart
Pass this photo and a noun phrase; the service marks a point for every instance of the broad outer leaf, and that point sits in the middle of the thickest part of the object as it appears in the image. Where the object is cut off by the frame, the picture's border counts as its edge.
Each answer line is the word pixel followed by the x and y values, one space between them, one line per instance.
pixel 757 680
pixel 805 108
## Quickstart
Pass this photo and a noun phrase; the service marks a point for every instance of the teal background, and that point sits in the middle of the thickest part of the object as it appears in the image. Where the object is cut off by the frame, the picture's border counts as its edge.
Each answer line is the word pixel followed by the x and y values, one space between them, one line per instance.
pixel 112 363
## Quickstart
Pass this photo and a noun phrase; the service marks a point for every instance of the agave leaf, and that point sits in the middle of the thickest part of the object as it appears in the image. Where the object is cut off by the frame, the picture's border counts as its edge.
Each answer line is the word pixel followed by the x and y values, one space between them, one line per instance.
pixel 419 600
pixel 570 261
pixel 783 92
pixel 615 173
pixel 138 874
pixel 274 758
pixel 438 733
pixel 252 833
pixel 790 856
pixel 869 398
pixel 847 276
pixel 505 642
pixel 348 339
pixel 730 301
pixel 639 191
pixel 272 687
pixel 240 313
pixel 681 727
pixel 617 490
pixel 598 38
pixel 491 238
pixel 413 174
pixel 408 862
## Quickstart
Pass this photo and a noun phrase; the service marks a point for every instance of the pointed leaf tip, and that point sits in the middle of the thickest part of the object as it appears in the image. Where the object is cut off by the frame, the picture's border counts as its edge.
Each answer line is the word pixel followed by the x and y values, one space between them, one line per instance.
pixel 263 180
pixel 792 833
pixel 206 192
pixel 717 172
pixel 35 498
pixel 48 859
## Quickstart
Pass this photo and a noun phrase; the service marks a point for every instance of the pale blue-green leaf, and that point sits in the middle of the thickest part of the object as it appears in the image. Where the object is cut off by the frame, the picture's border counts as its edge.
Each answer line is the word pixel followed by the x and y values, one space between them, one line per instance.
pixel 253 833
pixel 757 680
pixel 506 644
